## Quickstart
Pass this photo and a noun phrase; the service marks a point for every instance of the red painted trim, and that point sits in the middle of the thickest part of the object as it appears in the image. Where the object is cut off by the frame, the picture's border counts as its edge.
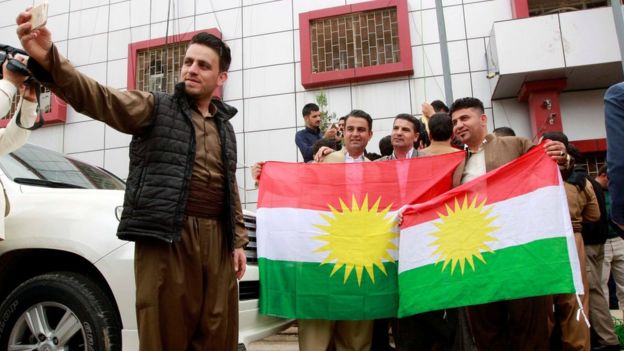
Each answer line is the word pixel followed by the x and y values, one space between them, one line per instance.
pixel 536 93
pixel 133 48
pixel 591 145
pixel 520 8
pixel 541 85
pixel 57 114
pixel 402 68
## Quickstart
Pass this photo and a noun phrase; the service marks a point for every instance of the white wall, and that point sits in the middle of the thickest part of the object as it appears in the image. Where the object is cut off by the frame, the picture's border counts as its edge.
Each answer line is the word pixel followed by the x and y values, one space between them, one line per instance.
pixel 583 114
pixel 264 80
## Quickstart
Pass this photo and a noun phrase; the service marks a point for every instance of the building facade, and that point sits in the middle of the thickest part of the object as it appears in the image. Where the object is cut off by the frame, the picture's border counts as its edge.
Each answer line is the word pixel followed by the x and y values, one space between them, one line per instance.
pixel 536 65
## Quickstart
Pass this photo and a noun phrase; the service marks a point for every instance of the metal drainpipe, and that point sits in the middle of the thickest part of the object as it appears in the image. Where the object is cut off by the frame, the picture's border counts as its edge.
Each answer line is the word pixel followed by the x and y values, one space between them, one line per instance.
pixel 446 67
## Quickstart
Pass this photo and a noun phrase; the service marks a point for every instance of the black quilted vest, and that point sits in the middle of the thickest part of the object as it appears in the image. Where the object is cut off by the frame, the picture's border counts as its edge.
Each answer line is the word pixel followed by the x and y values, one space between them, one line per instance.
pixel 161 163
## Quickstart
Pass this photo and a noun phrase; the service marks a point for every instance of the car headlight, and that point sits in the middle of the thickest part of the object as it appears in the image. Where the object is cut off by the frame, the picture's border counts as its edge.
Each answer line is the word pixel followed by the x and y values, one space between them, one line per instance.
pixel 118 211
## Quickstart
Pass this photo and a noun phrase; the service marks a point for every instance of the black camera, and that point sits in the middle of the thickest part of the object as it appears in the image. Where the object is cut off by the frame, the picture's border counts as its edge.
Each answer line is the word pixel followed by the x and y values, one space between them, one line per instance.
pixel 18 67
pixel 13 65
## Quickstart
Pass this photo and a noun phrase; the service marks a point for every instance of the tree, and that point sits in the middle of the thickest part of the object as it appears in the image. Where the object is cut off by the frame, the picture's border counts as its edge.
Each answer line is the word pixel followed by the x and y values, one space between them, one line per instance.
pixel 326 118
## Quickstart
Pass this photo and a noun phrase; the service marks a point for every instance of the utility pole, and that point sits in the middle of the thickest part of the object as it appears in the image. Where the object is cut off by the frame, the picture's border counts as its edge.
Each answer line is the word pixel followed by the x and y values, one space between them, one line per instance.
pixel 446 67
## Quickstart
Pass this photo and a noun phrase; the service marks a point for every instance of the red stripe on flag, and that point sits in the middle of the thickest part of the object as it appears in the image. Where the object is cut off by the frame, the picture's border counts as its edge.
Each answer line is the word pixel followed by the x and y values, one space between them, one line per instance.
pixel 316 185
pixel 527 173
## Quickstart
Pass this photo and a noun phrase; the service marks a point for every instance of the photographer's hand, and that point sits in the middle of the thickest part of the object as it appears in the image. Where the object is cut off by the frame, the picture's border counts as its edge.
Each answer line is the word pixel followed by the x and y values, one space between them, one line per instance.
pixel 13 77
pixel 28 92
pixel 36 42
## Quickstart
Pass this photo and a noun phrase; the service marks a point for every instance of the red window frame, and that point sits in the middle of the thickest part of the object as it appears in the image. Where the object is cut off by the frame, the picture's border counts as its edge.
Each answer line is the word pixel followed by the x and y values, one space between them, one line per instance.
pixel 402 68
pixel 133 48
pixel 591 145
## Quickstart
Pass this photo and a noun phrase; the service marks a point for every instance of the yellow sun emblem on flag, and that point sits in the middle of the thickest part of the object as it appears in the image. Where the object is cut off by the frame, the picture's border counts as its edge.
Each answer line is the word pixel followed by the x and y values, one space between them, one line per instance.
pixel 463 233
pixel 358 238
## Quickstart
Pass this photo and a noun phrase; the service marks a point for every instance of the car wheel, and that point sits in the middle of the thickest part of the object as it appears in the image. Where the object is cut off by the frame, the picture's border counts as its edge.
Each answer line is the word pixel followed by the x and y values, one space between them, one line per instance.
pixel 59 311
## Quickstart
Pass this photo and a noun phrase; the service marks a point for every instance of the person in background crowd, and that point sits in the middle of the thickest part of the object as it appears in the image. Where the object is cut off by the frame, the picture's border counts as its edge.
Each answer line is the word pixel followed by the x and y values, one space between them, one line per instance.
pixel 504 131
pixel 595 234
pixel 404 138
pixel 614 247
pixel 572 333
pixel 331 143
pixel 306 137
pixel 441 135
pixel 436 329
pixel 429 109
pixel 385 146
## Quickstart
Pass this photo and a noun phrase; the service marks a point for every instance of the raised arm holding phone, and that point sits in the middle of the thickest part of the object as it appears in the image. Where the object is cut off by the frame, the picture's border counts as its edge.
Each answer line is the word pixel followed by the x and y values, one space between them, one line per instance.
pixel 181 206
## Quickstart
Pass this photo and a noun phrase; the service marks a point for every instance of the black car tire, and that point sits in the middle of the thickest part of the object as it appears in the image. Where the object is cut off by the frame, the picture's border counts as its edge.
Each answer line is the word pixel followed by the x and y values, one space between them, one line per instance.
pixel 66 301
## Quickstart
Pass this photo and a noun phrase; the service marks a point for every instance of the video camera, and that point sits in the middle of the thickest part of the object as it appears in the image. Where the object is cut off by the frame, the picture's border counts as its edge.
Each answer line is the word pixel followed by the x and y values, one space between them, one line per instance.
pixel 13 65
pixel 18 67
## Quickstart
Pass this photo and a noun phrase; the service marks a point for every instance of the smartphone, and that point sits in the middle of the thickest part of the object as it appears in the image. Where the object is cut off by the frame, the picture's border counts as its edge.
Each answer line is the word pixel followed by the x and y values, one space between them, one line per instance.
pixel 39 15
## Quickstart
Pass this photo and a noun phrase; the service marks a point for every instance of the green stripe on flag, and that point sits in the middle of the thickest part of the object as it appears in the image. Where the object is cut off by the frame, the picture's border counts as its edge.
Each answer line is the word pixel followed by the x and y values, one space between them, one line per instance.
pixel 305 290
pixel 541 267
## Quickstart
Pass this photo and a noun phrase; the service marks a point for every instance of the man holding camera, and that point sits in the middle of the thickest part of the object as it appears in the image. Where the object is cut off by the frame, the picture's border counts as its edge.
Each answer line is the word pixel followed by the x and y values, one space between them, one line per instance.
pixel 13 137
pixel 181 206
pixel 10 82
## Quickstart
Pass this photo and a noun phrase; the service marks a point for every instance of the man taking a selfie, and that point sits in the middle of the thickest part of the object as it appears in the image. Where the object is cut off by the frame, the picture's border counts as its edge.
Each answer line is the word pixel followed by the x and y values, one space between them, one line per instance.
pixel 181 206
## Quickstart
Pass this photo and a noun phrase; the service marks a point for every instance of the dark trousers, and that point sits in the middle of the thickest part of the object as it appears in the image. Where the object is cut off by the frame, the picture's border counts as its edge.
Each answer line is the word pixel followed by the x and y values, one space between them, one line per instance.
pixel 522 324
pixel 186 292
pixel 424 330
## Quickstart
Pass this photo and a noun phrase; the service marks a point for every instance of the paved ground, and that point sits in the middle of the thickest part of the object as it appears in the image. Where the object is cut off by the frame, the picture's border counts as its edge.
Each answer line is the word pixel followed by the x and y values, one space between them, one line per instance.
pixel 287 340
pixel 284 341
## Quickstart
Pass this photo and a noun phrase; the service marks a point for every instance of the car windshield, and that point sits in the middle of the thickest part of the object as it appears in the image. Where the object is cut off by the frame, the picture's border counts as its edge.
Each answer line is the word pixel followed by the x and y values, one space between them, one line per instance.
pixel 35 165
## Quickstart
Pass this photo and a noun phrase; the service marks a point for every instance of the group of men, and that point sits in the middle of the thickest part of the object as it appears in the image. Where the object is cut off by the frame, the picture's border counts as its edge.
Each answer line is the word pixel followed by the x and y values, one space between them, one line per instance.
pixel 516 324
pixel 183 212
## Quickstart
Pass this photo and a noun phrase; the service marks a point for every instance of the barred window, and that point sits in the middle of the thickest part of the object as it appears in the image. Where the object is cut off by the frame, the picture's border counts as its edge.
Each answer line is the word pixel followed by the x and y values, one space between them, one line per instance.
pixel 355 43
pixel 592 162
pixel 158 68
pixel 355 40
pixel 547 7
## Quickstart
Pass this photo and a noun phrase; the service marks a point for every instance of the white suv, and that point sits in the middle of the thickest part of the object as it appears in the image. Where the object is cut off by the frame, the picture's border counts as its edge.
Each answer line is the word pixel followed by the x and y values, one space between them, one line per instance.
pixel 66 281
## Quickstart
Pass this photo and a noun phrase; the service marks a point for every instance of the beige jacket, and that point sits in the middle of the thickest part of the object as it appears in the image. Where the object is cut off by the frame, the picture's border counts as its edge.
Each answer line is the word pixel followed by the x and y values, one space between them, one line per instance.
pixel 338 157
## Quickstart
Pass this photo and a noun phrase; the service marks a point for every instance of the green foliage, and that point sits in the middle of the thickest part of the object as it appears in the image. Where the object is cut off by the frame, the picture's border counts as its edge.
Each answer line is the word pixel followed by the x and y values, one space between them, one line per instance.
pixel 326 118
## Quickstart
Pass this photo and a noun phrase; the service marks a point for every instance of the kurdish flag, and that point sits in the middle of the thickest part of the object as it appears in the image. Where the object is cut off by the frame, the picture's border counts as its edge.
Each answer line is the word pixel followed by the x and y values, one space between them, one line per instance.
pixel 505 235
pixel 327 234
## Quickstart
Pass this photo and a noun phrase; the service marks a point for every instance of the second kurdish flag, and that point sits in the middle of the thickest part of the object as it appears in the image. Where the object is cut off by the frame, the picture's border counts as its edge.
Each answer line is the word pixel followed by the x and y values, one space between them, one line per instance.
pixel 327 239
pixel 505 235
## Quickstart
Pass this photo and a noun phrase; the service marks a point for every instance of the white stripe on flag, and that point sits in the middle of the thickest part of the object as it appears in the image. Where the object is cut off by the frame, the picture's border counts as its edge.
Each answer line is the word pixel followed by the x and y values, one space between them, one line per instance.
pixel 290 237
pixel 543 217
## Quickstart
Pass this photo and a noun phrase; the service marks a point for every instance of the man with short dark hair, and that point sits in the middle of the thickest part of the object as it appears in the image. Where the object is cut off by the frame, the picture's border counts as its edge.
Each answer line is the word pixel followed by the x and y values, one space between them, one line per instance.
pixel 357 135
pixel 309 135
pixel 504 131
pixel 322 335
pixel 385 146
pixel 437 329
pixel 439 106
pixel 521 324
pixel 181 206
pixel 441 133
pixel 405 132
